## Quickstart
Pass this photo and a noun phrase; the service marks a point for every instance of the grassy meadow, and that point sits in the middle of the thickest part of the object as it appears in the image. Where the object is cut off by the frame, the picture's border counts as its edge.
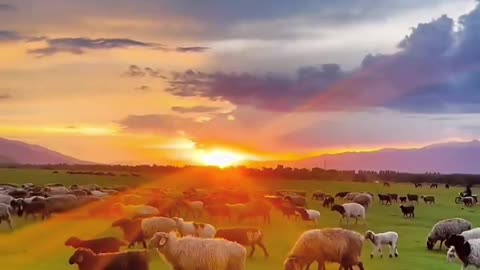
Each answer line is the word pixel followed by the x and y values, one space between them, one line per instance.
pixel 39 245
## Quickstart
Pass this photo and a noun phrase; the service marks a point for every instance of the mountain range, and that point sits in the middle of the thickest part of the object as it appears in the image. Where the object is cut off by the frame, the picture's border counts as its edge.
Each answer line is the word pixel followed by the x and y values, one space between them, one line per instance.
pixel 450 157
pixel 17 152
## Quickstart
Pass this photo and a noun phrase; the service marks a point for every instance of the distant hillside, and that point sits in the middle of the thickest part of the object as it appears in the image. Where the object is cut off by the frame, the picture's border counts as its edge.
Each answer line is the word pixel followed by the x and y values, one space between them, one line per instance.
pixel 16 152
pixel 452 157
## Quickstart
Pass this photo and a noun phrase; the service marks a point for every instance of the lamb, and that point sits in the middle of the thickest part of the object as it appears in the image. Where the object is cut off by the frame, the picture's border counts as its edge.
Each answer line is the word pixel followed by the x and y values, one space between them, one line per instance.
pixel 382 239
pixel 135 211
pixel 129 260
pixel 201 230
pixel 245 237
pixel 326 245
pixel 350 210
pixel 442 230
pixel 137 230
pixel 430 199
pixel 468 252
pixel 5 214
pixel 328 202
pixel 408 211
pixel 99 245
pixel 203 253
pixel 309 214
pixel 364 199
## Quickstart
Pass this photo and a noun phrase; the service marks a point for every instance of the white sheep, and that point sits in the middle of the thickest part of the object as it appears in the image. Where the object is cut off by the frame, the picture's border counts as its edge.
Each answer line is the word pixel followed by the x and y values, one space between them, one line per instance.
pixel 350 196
pixel 5 214
pixel 152 225
pixel 190 228
pixel 468 252
pixel 140 210
pixel 6 199
pixel 471 234
pixel 326 245
pixel 309 214
pixel 99 194
pixel 350 210
pixel 363 199
pixel 382 239
pixel 442 230
pixel 199 253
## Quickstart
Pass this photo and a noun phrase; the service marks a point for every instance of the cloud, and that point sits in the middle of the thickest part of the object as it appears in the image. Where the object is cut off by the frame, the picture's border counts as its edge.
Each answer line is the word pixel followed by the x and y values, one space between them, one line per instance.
pixel 7 7
pixel 191 49
pixel 143 88
pixel 5 96
pixel 137 71
pixel 9 36
pixel 196 109
pixel 155 123
pixel 434 71
pixel 80 45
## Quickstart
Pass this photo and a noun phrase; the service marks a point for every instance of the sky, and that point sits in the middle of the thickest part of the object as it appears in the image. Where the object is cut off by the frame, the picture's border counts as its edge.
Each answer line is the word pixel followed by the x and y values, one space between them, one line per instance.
pixel 169 81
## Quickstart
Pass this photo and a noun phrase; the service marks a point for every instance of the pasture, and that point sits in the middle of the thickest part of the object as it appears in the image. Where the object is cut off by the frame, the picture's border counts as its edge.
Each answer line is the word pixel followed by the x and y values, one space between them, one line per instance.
pixel 40 245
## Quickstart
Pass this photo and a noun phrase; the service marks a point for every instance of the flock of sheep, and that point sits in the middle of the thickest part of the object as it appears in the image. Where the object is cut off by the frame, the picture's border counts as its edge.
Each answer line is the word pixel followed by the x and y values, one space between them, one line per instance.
pixel 151 218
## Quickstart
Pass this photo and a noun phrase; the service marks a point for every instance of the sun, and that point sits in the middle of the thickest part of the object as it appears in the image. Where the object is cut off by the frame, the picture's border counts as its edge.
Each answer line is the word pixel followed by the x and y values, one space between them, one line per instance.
pixel 219 158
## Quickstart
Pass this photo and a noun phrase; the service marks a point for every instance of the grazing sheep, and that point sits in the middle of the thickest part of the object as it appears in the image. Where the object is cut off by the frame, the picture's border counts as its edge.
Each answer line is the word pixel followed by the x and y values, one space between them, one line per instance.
pixel 60 203
pixel 418 185
pixel 218 210
pixel 434 186
pixel 309 214
pixel 403 199
pixel 341 194
pixel 99 245
pixel 328 202
pixel 195 208
pixel 129 260
pixel 189 228
pixel 350 196
pixel 364 199
pixel 137 230
pixel 447 186
pixel 350 210
pixel 287 209
pixel 57 190
pixel 32 207
pixel 408 211
pixel 412 198
pixel 468 252
pixel 327 245
pixel 6 199
pixel 382 239
pixel 203 253
pixel 393 197
pixel 298 201
pixel 442 230
pixel 318 195
pixel 5 214
pixel 428 199
pixel 245 237
pixel 384 199
pixel 134 211
pixel 386 184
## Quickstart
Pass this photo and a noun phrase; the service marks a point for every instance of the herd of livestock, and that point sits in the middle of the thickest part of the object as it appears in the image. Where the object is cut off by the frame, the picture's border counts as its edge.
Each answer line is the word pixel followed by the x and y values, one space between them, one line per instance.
pixel 155 218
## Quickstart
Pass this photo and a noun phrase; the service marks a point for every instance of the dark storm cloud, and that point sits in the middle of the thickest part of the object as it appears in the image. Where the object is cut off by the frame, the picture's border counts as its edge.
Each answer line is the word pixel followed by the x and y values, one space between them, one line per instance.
pixel 6 7
pixel 437 70
pixel 196 109
pixel 80 45
pixel 191 49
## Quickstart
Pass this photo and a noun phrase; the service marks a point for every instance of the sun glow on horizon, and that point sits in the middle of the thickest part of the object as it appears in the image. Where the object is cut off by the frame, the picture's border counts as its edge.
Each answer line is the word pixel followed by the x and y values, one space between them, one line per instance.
pixel 219 157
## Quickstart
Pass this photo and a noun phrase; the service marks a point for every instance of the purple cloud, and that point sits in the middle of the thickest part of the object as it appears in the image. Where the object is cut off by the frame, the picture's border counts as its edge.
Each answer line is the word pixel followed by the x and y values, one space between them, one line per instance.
pixel 196 109
pixel 7 7
pixel 191 49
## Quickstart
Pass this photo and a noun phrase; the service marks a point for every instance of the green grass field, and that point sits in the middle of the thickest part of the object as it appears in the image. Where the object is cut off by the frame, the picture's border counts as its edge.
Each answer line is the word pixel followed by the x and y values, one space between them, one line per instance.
pixel 39 246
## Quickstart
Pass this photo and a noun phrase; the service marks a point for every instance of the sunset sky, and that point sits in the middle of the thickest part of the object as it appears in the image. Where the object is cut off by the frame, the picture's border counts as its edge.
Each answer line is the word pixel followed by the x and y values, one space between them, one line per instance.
pixel 171 81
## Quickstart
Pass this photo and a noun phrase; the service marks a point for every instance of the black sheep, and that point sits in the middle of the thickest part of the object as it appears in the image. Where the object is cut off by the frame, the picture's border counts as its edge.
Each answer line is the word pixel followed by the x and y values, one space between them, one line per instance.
pixel 244 236
pixel 31 208
pixel 99 245
pixel 384 199
pixel 408 211
pixel 412 198
pixel 328 202
pixel 130 260
pixel 403 199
